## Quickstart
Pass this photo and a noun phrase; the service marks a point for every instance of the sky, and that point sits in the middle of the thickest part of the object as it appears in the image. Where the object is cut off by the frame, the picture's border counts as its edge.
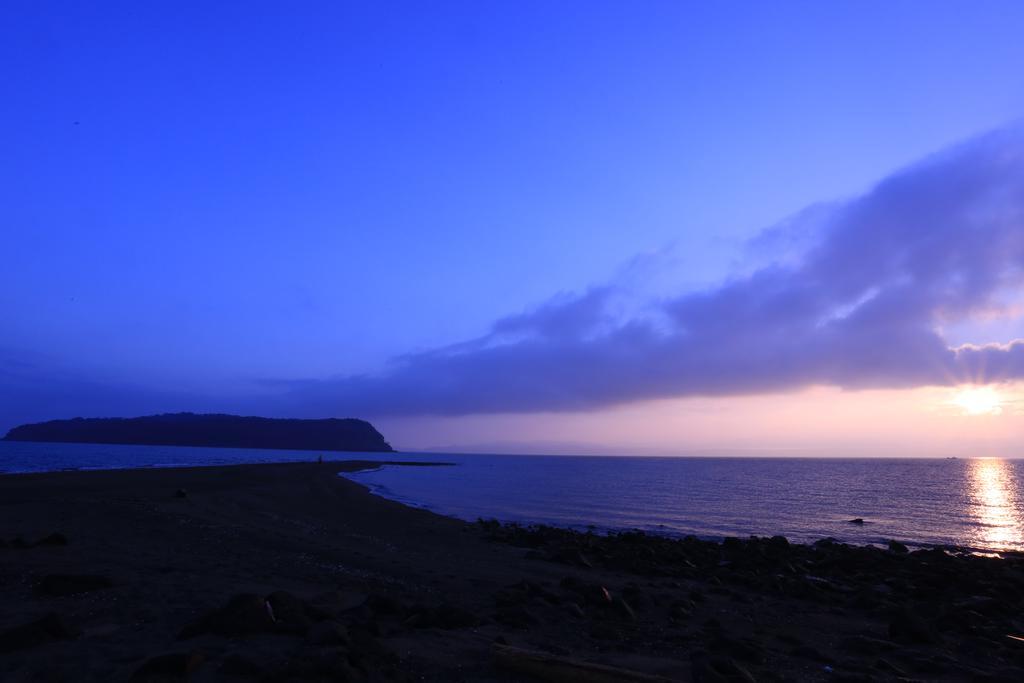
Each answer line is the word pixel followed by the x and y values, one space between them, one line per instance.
pixel 658 228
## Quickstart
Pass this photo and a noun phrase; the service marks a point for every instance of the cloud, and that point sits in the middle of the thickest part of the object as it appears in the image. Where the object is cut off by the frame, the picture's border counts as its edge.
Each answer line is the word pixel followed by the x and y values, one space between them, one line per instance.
pixel 855 296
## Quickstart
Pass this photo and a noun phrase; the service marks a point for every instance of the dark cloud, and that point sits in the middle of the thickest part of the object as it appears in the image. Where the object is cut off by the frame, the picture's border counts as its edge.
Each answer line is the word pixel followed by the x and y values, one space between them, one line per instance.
pixel 854 294
pixel 936 243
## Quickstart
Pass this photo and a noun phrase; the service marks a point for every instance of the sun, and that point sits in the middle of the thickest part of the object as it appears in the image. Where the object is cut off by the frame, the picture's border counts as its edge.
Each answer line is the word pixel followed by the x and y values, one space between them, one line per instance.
pixel 978 401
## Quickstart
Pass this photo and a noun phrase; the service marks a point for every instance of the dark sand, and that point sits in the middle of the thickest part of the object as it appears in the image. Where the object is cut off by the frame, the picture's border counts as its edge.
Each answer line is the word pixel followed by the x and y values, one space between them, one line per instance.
pixel 375 590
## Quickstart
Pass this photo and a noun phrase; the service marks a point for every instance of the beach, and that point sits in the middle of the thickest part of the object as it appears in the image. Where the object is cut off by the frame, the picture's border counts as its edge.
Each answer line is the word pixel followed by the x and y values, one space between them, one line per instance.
pixel 290 572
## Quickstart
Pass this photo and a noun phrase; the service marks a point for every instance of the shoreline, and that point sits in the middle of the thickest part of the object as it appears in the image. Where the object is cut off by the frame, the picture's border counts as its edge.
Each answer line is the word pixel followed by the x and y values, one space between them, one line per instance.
pixel 881 542
pixel 359 466
pixel 165 574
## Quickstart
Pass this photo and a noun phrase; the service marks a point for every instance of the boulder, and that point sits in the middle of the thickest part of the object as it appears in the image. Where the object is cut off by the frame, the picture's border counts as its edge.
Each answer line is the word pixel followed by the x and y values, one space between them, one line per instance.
pixel 516 617
pixel 243 664
pixel 866 645
pixel 592 593
pixel 897 547
pixel 289 613
pixel 327 633
pixel 243 614
pixel 811 653
pixel 602 630
pixel 60 585
pixel 907 626
pixel 337 602
pixel 889 668
pixel 170 667
pixel 448 616
pixel 707 669
pixel 574 610
pixel 623 609
pixel 384 605
pixel 54 539
pixel 746 649
pixel 47 629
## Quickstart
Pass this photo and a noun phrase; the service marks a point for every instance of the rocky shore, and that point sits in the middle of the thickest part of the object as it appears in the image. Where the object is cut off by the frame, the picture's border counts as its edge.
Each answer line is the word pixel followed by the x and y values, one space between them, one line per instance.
pixel 290 573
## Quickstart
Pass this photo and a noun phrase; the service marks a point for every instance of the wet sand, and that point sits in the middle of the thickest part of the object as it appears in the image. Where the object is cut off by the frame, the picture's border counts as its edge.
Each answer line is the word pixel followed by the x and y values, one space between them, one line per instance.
pixel 289 572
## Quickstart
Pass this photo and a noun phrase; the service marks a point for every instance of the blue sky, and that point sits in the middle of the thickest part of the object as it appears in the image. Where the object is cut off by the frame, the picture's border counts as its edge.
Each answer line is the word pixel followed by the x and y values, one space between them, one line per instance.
pixel 207 202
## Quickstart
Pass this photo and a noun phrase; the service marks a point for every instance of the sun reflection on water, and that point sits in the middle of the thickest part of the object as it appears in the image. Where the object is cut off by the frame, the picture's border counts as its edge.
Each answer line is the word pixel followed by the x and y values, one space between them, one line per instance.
pixel 994 504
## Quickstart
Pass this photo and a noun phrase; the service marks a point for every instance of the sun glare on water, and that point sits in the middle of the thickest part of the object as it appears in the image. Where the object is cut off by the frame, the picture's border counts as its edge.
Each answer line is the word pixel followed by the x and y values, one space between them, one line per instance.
pixel 978 401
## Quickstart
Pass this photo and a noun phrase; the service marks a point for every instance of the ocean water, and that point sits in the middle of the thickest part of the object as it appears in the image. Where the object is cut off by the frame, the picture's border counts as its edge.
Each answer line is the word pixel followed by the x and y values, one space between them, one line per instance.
pixel 22 457
pixel 974 503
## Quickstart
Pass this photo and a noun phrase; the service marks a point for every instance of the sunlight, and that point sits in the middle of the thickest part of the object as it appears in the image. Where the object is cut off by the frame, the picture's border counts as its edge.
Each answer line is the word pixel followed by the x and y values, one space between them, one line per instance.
pixel 978 401
pixel 993 503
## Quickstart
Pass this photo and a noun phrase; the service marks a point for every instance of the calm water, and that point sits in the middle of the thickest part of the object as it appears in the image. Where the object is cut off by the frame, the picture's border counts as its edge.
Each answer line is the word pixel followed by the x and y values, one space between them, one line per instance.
pixel 974 503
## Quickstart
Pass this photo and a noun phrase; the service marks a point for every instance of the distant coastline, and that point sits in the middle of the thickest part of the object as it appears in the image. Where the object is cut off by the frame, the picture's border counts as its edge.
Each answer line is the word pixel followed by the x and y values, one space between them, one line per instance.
pixel 210 430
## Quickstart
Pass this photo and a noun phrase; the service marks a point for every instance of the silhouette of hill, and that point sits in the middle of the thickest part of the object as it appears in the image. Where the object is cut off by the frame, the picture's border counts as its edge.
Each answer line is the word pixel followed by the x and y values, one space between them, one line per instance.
pixel 224 431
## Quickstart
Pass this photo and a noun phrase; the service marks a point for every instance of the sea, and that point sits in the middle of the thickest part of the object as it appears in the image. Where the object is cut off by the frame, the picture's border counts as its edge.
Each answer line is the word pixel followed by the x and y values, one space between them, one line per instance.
pixel 975 503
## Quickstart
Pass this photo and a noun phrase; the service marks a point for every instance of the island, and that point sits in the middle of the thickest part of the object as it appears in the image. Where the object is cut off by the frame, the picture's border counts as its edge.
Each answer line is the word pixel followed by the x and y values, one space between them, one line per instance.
pixel 214 430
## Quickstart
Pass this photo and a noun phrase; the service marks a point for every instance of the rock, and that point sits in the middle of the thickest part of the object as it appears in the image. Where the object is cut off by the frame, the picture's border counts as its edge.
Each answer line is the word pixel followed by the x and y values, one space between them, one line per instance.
pixel 19 543
pixel 244 664
pixel 889 667
pixel 516 617
pixel 909 627
pixel 571 557
pixel 980 605
pixel 49 628
pixel 636 597
pixel 575 610
pixel 680 609
pixel 337 602
pixel 811 653
pixel 181 493
pixel 706 669
pixel 592 593
pixel 382 604
pixel 857 520
pixel 290 614
pixel 746 649
pixel 732 544
pixel 327 633
pixel 170 667
pixel 623 609
pixel 555 649
pixel 321 665
pixel 55 539
pixel 536 590
pixel 604 631
pixel 243 614
pixel 447 616
pixel 898 548
pixel 369 654
pixel 60 585
pixel 866 645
